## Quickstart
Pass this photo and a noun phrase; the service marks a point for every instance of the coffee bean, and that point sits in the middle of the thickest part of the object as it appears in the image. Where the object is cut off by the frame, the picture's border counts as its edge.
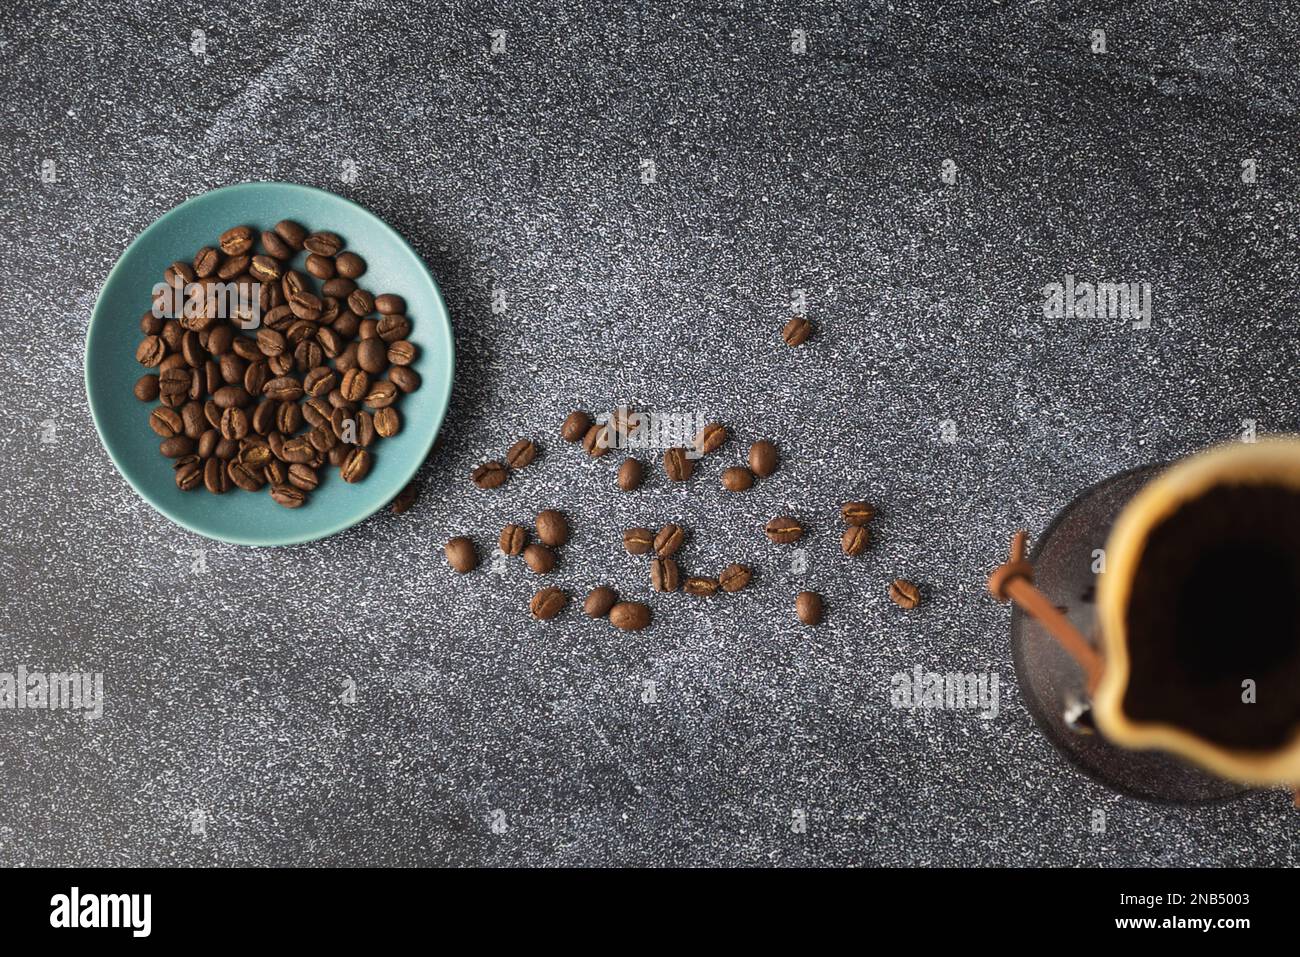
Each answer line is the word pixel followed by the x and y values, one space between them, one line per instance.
pixel 340 287
pixel 405 498
pixel 256 375
pixel 237 240
pixel 734 578
pixel 552 527
pixel 372 355
pixel 305 305
pixel 737 479
pixel 854 540
pixel 669 540
pixel 230 396
pixel 664 574
pixel 711 437
pixel 355 465
pixel 629 616
pixel 513 539
pixel 323 244
pixel 355 385
pixel 288 416
pixel 904 594
pixel 783 530
pixel 521 454
pixel 283 389
pixel 393 328
pixel 276 246
pixel 796 331
pixel 678 465
pixel 319 382
pixel 174 382
pixel 176 446
pixel 270 342
pixel 390 304
pixel 539 558
pixel 303 477
pixel 234 423
pixel 361 302
pixel 205 262
pixel 596 440
pixel 599 601
pixel 857 513
pixel 350 265
pixel 151 351
pixel 265 269
pixel 763 458
pixel 207 446
pixel 402 352
pixel 243 476
pixel 638 541
pixel 193 420
pixel 292 234
pixel 215 478
pixel 150 324
pixel 700 587
pixel 575 426
pixel 289 496
pixel 548 603
pixel 489 475
pixel 808 606
pixel 629 475
pixel 189 474
pixel 322 267
pixel 387 422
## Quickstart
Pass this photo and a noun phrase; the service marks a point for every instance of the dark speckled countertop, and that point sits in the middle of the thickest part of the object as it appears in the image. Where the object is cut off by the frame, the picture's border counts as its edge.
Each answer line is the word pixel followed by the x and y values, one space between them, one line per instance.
pixel 727 733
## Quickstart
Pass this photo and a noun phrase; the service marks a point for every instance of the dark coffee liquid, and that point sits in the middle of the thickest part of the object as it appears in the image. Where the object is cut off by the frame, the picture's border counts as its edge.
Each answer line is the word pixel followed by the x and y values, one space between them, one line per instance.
pixel 1215 603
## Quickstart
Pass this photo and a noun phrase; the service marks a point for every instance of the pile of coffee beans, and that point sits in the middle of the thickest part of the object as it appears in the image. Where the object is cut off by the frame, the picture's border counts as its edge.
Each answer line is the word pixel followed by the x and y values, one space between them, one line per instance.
pixel 317 383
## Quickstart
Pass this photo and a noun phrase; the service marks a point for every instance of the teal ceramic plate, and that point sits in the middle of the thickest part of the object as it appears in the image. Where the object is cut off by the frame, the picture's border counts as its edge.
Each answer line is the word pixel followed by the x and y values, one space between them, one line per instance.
pixel 248 518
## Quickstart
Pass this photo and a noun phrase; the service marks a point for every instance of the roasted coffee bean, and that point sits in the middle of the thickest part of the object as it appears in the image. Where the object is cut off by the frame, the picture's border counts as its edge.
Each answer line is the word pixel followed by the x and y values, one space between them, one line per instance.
pixel 283 389
pixel 215 477
pixel 165 421
pixel 292 234
pixel 678 465
pixel 599 601
pixel 700 586
pixel 904 594
pixel 207 446
pixel 521 454
pixel 206 261
pixel 220 340
pixel 711 437
pixel 178 275
pixel 229 396
pixel 243 476
pixel 276 246
pixel 323 244
pixel 279 318
pixel 193 421
pixel 232 368
pixel 172 334
pixel 322 439
pixel 489 475
pixel 175 382
pixel 737 479
pixel 305 305
pixel 331 343
pixel 664 574
pixel 192 350
pixel 575 426
pixel 796 331
pixel 629 475
pixel 275 472
pixel 211 377
pixel 151 351
pixel 288 416
pixel 783 530
pixel 150 324
pixel 629 616
pixel 763 458
pixel 461 555
pixel 368 329
pixel 256 376
pixel 350 265
pixel 300 331
pixel 237 240
pixel 390 304
pixel 808 606
pixel 596 441
pixel 176 446
pixel 340 287
pixel 355 465
pixel 361 302
pixel 552 527
pixel 336 455
pixel 355 385
pixel 393 328
pixel 245 348
pixel 669 540
pixel 270 342
pixel 234 423
pixel 265 269
pixel 638 541
pixel 513 539
pixel 226 449
pixel 405 498
pixel 295 449
pixel 372 355
pixel 381 394
pixel 320 382
pixel 364 427
pixel 734 577
pixel 303 477
pixel 854 540
pixel 857 513
pixel 408 380
pixel 402 352
pixel 255 453
pixel 290 496
pixel 387 422
pixel 347 359
pixel 548 603
pixel 539 558
pixel 308 355
pixel 212 413
pixel 322 267
pixel 189 474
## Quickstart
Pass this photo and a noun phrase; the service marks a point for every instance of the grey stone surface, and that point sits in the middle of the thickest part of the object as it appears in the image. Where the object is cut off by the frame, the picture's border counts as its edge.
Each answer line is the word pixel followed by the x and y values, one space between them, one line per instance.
pixel 523 171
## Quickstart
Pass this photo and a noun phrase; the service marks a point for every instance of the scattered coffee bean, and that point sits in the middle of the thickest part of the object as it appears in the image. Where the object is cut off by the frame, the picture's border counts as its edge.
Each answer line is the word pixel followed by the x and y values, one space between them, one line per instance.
pixel 629 475
pixel 599 601
pixel 539 558
pixel 664 574
pixel 711 437
pixel 461 555
pixel 855 539
pixel 796 331
pixel 629 616
pixel 405 498
pixel 808 606
pixel 763 458
pixel 700 586
pixel 737 479
pixel 904 594
pixel 513 539
pixel 638 541
pixel 783 530
pixel 489 475
pixel 669 540
pixel 521 454
pixel 734 578
pixel 596 440
pixel 552 528
pixel 548 603
pixel 857 513
pixel 575 426
pixel 678 465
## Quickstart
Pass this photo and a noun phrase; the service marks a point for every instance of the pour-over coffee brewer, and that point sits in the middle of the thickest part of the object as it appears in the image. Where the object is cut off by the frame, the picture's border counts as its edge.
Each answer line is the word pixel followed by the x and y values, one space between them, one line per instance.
pixel 1157 634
